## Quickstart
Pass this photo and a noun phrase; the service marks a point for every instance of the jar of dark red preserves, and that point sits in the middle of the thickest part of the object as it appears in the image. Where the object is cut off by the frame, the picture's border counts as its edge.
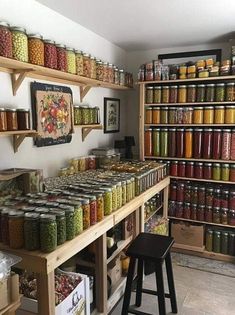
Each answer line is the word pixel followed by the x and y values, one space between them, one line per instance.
pixel 180 142
pixel 207 143
pixel 232 173
pixel 217 143
pixel 197 143
pixel 201 213
pixel 210 196
pixel 23 119
pixel 208 214
pixel 174 168
pixel 216 215
pixel 231 219
pixel 179 210
pixel 180 192
pixel 171 142
pixel 61 57
pixel 173 191
pixel 198 170
pixel 207 171
pixel 201 195
pixel 181 169
pixel 232 200
pixel 217 198
pixel 194 212
pixel 187 210
pixel 224 199
pixel 189 169
pixel 187 192
pixel 224 216
pixel 50 54
pixel 194 194
pixel 5 40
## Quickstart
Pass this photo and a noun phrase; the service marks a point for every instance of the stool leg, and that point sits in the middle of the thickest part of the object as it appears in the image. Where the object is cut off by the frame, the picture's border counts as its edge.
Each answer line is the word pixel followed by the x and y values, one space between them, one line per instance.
pixel 127 294
pixel 160 289
pixel 139 287
pixel 171 284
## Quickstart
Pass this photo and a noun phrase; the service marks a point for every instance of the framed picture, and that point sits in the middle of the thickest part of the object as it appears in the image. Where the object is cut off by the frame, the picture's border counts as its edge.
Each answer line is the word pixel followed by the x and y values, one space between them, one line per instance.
pixel 52 114
pixel 111 115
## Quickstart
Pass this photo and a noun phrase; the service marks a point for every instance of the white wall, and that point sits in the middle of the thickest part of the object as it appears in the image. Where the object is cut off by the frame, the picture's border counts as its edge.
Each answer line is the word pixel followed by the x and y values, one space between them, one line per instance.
pixel 38 18
pixel 136 58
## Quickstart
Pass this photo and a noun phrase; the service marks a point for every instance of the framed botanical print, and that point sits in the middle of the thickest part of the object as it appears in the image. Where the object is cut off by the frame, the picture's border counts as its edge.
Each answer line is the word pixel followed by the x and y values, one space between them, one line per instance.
pixel 111 115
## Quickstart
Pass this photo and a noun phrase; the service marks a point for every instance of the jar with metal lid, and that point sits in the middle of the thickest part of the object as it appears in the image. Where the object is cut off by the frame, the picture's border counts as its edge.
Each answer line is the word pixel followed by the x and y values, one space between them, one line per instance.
pixel 217 143
pixel 48 233
pixel 232 173
pixel 231 218
pixel 208 115
pixel 219 114
pixel 198 115
pixel 174 168
pixel 191 93
pixel 61 57
pixel 224 199
pixel 224 243
pixel 173 94
pixel 12 124
pixel 193 212
pixel 180 191
pixel 36 49
pixel 50 54
pixel 3 119
pixel 70 222
pixel 201 91
pixel 100 205
pixel 157 94
pixel 217 242
pixel 61 225
pixel 226 144
pixel 100 71
pixel 71 60
pixel 201 195
pixel 209 214
pixel 231 244
pixel 209 240
pixel 23 119
pixel 148 142
pixel 182 95
pixel 198 170
pixel 172 115
pixel 156 141
pixel 187 192
pixel 86 117
pixel 225 172
pixel 187 210
pixel 107 200
pixel 210 92
pixel 179 115
pixel 216 171
pixel 188 143
pixel 165 94
pixel 148 115
pixel 164 142
pixel 217 198
pixel 224 216
pixel 172 142
pixel 207 143
pixel 216 215
pixel 16 229
pixel 197 140
pixel 194 194
pixel 179 211
pixel 31 231
pixel 122 77
pixel 173 191
pixel 229 115
pixel 164 115
pixel 149 94
pixel 5 40
pixel 189 169
pixel 86 65
pixel 93 69
pixel 106 72
pixel 207 170
pixel 232 151
pixel 230 92
pixel 116 76
pixel 201 213
pixel 188 115
pixel 220 92
pixel 180 140
pixel 19 44
pixel 209 197
pixel 181 168
pixel 79 62
pixel 156 115
pixel 172 208
pixel 128 190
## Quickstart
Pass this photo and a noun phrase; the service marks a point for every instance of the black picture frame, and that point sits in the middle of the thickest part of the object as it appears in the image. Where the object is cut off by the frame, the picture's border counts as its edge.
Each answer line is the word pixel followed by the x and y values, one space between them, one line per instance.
pixel 111 115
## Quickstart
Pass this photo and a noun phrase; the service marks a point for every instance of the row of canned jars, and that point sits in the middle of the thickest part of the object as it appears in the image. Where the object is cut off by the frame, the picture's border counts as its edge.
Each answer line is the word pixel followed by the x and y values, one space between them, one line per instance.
pixel 192 93
pixel 190 115
pixel 195 143
pixel 220 241
pixel 32 48
pixel 12 119
pixel 86 115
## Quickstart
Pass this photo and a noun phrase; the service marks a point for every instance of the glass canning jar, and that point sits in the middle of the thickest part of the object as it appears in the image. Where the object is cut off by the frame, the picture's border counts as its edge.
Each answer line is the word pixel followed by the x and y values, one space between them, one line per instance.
pixel 209 197
pixel 148 115
pixel 194 194
pixel 61 225
pixel 172 115
pixel 216 171
pixel 19 44
pixel 48 233
pixel 230 92
pixel 31 231
pixel 217 143
pixel 191 93
pixel 36 49
pixel 156 141
pixel 173 94
pixel 225 172
pixel 116 75
pixel 50 54
pixel 231 218
pixel 16 229
pixel 182 95
pixel 207 171
pixel 61 57
pixel 3 119
pixel 226 144
pixel 201 213
pixel 220 92
pixel 189 169
pixel 157 94
pixel 187 210
pixel 5 40
pixel 209 214
pixel 12 124
pixel 171 142
pixel 148 142
pixel 198 115
pixel 188 150
pixel 180 142
pixel 224 242
pixel 79 62
pixel 224 216
pixel 164 142
pixel 232 151
pixel 207 143
pixel 193 212
pixel 180 191
pixel 164 115
pixel 165 94
pixel 201 91
pixel 210 92
pixel 149 94
pixel 201 195
pixel 197 141
pixel 71 60
pixel 122 77
pixel 156 115
pixel 187 192
pixel 232 173
pixel 87 65
pixel 198 170
pixel 100 71
pixel 23 119
pixel 229 114
pixel 188 115
pixel 216 215
pixel 93 70
pixel 209 240
pixel 219 115
pixel 208 116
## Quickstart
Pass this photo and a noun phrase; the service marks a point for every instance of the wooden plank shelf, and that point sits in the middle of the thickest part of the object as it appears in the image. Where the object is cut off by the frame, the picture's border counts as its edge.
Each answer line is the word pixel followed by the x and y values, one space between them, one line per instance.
pixel 189 159
pixel 203 222
pixel 162 82
pixel 190 104
pixel 204 180
pixel 121 245
pixel 86 129
pixel 18 136
pixel 189 125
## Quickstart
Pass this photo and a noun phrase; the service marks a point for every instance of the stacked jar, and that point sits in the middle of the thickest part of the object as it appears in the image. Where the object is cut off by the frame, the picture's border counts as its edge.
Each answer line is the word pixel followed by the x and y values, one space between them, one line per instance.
pixel 5 40
pixel 12 119
pixel 220 241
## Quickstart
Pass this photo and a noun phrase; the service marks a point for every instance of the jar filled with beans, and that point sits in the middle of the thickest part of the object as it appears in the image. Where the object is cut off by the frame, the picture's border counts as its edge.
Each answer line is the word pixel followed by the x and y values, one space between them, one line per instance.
pixel 36 49
pixel 191 93
pixel 71 60
pixel 5 40
pixel 210 92
pixel 149 95
pixel 16 229
pixel 220 92
pixel 3 119
pixel 173 94
pixel 182 95
pixel 19 44
pixel 79 62
pixel 50 54
pixel 48 232
pixel 93 67
pixel 165 94
pixel 87 65
pixel 230 92
pixel 99 70
pixel 61 57
pixel 31 231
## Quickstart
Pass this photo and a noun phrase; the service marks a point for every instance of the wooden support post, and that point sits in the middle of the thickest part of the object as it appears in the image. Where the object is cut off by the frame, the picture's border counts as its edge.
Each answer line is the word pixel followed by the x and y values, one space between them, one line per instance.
pixel 142 218
pixel 84 91
pixel 165 201
pixel 101 274
pixel 46 293
pixel 141 121
pixel 17 80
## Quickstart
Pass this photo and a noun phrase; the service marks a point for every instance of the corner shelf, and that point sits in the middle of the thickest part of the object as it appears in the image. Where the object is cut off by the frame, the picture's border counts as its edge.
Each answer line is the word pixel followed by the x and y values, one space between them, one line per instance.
pixel 19 136
pixel 20 70
pixel 86 129
pixel 188 159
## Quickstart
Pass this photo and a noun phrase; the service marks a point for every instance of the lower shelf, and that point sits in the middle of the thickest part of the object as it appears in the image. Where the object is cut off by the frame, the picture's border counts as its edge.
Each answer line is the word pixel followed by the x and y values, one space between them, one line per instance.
pixel 116 293
pixel 203 222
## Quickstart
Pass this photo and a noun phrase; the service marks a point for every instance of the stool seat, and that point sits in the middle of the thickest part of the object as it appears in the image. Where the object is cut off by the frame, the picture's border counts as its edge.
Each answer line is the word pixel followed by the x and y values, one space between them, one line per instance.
pixel 150 246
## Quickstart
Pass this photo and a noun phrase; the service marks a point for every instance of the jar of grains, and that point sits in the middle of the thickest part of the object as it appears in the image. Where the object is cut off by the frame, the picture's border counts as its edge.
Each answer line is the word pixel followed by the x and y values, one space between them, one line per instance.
pixel 61 57
pixel 210 92
pixel 157 94
pixel 5 40
pixel 165 94
pixel 173 94
pixel 149 94
pixel 19 44
pixel 191 93
pixel 116 76
pixel 79 62
pixel 86 65
pixel 220 92
pixel 36 49
pixel 71 60
pixel 100 71
pixel 230 92
pixel 182 97
pixel 50 54
pixel 93 68
pixel 201 91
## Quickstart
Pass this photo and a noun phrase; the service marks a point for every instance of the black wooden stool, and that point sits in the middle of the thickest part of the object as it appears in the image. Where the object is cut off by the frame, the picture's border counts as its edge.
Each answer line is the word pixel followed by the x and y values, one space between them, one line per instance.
pixel 153 248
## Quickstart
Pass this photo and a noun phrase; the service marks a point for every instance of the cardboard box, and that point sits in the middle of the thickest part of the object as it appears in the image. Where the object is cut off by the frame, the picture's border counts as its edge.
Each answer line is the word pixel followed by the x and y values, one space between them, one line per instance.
pixel 115 270
pixel 188 236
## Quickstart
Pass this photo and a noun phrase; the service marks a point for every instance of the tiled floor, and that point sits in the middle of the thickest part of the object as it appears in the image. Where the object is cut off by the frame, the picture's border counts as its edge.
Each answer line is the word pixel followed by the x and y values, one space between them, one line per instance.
pixel 198 293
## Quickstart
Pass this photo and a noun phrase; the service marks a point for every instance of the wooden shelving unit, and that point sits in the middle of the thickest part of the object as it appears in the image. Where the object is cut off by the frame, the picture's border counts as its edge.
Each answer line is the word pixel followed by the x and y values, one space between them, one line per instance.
pixel 18 136
pixel 43 264
pixel 188 159
pixel 189 125
pixel 202 222
pixel 204 180
pixel 189 104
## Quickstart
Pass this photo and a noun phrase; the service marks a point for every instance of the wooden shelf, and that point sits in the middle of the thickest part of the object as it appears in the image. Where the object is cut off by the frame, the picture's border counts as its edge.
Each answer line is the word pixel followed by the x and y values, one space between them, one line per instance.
pixel 190 104
pixel 191 159
pixel 189 125
pixel 203 222
pixel 20 70
pixel 117 292
pixel 219 78
pixel 18 136
pixel 86 129
pixel 204 180
pixel 121 245
pixel 152 214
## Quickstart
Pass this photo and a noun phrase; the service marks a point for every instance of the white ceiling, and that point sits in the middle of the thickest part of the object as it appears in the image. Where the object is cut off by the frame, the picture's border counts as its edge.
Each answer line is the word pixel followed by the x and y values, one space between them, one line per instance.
pixel 148 24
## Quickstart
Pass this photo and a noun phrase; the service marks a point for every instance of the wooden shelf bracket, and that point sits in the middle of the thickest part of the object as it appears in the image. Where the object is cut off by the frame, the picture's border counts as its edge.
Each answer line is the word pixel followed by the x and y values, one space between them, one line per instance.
pixel 87 130
pixel 17 77
pixel 84 91
pixel 19 138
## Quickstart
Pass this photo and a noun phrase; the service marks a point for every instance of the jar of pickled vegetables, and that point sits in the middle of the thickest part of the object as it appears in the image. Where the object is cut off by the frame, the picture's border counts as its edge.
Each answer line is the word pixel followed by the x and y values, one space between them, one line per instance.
pixel 157 94
pixel 71 60
pixel 201 91
pixel 36 49
pixel 48 232
pixel 164 142
pixel 182 96
pixel 208 115
pixel 86 115
pixel 198 115
pixel 210 92
pixel 156 115
pixel 6 40
pixel 230 92
pixel 191 93
pixel 165 94
pixel 220 92
pixel 61 57
pixel 61 225
pixel 31 231
pixel 16 229
pixel 225 172
pixel 79 62
pixel 149 95
pixel 77 115
pixel 216 171
pixel 19 44
pixel 164 115
pixel 156 141
pixel 229 115
pixel 107 200
pixel 86 65
pixel 50 54
pixel 100 71
pixel 173 94
pixel 93 67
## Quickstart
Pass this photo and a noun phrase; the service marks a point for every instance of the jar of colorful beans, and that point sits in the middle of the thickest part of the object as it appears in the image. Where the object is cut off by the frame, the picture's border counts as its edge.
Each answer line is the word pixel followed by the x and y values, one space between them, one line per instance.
pixel 19 44
pixel 5 40
pixel 36 49
pixel 50 53
pixel 61 57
